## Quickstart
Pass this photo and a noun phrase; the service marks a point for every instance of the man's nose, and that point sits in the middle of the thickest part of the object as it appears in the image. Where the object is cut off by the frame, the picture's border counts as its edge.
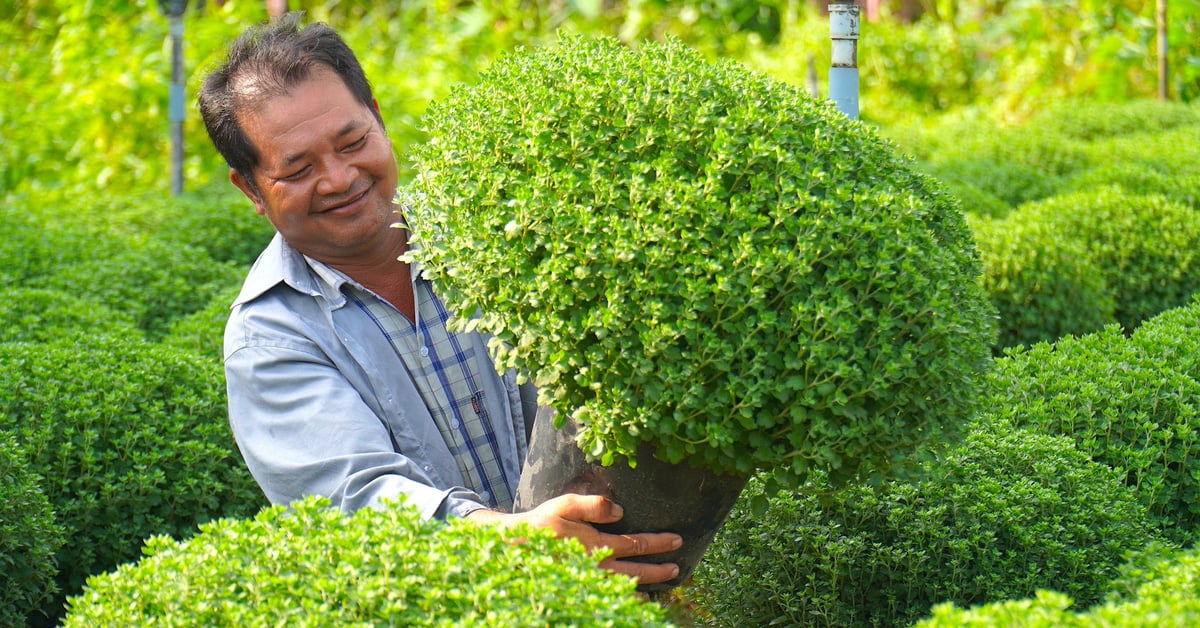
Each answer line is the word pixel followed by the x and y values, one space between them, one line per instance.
pixel 337 177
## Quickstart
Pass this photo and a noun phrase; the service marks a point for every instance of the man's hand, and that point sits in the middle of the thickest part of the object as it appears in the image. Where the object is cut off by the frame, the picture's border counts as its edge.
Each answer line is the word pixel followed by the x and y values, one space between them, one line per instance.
pixel 571 515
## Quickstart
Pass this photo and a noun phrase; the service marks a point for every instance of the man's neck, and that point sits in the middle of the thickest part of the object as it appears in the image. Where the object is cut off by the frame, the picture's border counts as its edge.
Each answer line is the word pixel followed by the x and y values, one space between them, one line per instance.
pixel 384 274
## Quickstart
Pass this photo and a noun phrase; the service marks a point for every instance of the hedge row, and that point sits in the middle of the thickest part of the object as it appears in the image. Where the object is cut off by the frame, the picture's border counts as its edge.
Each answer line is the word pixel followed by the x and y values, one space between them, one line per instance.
pixel 1069 146
pixel 1163 589
pixel 1083 455
pixel 1072 263
pixel 314 566
pixel 29 537
pixel 131 440
pixel 1125 406
pixel 1005 513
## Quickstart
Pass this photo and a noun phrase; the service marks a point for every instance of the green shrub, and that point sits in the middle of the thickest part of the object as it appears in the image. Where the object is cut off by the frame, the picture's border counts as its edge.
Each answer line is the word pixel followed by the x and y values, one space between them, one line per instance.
pixel 1133 178
pixel 1165 592
pixel 29 250
pixel 700 257
pixel 154 282
pixel 1144 246
pixel 216 219
pixel 29 537
pixel 1171 338
pixel 131 439
pixel 1002 514
pixel 37 315
pixel 1013 182
pixel 314 566
pixel 1171 151
pixel 1088 120
pixel 203 331
pixel 976 201
pixel 1042 285
pixel 1127 409
pixel 220 221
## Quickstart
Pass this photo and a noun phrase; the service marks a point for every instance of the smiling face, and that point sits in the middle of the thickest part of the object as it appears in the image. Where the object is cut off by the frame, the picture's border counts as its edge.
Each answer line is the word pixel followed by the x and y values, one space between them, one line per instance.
pixel 326 174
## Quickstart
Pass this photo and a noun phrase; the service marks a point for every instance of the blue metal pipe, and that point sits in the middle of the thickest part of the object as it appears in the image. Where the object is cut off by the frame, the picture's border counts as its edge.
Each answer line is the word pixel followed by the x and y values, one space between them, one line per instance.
pixel 843 71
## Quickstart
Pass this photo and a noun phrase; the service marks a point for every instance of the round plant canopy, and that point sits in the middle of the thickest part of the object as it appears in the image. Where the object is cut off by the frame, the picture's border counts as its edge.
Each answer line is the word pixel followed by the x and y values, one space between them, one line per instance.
pixel 699 256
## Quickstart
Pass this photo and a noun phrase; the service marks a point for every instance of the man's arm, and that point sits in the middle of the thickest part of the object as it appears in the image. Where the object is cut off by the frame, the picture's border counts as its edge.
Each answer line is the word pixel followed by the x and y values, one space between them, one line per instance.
pixel 303 429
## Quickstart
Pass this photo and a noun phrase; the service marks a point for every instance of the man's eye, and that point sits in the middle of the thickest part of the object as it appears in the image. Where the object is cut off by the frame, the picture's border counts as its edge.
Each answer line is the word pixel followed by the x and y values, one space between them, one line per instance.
pixel 296 176
pixel 357 143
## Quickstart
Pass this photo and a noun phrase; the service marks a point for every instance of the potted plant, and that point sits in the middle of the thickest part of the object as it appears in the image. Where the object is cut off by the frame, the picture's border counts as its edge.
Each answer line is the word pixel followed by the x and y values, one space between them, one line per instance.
pixel 699 265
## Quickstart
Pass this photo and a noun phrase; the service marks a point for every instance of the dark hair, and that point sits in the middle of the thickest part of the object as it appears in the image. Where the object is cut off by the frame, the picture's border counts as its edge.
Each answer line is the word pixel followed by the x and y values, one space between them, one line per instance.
pixel 266 61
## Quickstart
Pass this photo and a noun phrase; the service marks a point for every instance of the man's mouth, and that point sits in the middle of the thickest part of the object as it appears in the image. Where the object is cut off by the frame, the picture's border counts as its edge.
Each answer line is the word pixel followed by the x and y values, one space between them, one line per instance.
pixel 345 201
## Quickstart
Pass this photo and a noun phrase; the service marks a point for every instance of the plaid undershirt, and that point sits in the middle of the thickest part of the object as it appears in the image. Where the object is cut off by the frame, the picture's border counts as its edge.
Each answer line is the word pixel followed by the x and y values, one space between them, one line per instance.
pixel 443 366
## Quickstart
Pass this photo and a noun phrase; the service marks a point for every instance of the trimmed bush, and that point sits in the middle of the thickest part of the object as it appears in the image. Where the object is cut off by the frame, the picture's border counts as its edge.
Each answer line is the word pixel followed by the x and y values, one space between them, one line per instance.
pixel 315 566
pixel 1165 592
pixel 1093 120
pixel 1146 248
pixel 29 537
pixel 1172 151
pixel 976 201
pixel 203 332
pixel 1127 409
pixel 37 315
pixel 155 282
pixel 132 440
pixel 699 257
pixel 30 250
pixel 217 219
pixel 1042 285
pixel 1012 182
pixel 1004 513
pixel 1133 178
pixel 1172 338
pixel 220 221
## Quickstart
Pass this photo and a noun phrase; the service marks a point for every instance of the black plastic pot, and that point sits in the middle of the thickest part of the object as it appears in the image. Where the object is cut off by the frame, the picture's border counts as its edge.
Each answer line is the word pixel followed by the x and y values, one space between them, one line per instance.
pixel 656 496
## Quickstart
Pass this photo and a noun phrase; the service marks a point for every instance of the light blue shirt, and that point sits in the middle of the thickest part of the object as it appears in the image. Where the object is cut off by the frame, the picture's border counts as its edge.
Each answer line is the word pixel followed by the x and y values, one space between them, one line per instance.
pixel 320 401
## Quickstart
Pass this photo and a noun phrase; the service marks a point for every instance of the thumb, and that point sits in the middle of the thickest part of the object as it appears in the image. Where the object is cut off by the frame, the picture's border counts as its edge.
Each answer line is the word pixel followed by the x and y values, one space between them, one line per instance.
pixel 588 508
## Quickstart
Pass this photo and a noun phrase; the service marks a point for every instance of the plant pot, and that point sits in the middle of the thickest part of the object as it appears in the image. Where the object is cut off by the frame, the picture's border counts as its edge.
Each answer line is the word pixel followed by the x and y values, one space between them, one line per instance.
pixel 656 496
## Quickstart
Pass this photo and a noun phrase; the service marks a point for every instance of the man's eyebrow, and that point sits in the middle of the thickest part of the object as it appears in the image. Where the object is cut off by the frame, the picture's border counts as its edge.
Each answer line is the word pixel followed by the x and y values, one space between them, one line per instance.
pixel 346 129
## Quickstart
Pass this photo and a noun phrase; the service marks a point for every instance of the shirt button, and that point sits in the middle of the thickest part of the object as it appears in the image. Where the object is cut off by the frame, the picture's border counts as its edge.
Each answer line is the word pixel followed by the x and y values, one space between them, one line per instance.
pixel 454 424
pixel 486 496
pixel 424 352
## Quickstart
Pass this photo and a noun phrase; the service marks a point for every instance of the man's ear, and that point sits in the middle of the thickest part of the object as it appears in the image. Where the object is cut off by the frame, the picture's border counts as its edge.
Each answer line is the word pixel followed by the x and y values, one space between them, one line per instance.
pixel 249 190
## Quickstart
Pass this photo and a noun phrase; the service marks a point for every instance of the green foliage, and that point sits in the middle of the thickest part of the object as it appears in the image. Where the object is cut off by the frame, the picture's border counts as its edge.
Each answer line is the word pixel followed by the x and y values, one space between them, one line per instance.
pixel 131 440
pixel 29 537
pixel 1171 338
pixel 1164 591
pixel 1043 285
pixel 1145 247
pixel 30 249
pixel 1088 119
pixel 314 566
pixel 1173 151
pixel 216 219
pixel 1003 513
pixel 203 332
pixel 155 282
pixel 698 256
pixel 1010 179
pixel 1125 407
pixel 37 315
pixel 1137 179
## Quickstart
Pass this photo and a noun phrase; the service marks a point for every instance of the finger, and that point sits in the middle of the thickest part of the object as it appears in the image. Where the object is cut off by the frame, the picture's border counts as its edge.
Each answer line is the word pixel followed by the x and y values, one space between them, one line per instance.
pixel 646 573
pixel 643 544
pixel 589 508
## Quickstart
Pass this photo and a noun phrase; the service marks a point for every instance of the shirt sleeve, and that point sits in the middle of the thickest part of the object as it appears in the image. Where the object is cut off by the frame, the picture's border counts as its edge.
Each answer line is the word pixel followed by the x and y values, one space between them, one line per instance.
pixel 303 429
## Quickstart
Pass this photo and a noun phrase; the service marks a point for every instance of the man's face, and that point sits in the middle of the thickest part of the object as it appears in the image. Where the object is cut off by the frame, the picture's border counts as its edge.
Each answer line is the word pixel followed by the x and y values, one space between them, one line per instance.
pixel 326 175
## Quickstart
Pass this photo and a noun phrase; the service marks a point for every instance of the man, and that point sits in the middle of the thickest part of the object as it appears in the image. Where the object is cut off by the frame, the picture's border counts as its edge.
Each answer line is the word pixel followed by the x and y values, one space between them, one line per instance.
pixel 343 380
